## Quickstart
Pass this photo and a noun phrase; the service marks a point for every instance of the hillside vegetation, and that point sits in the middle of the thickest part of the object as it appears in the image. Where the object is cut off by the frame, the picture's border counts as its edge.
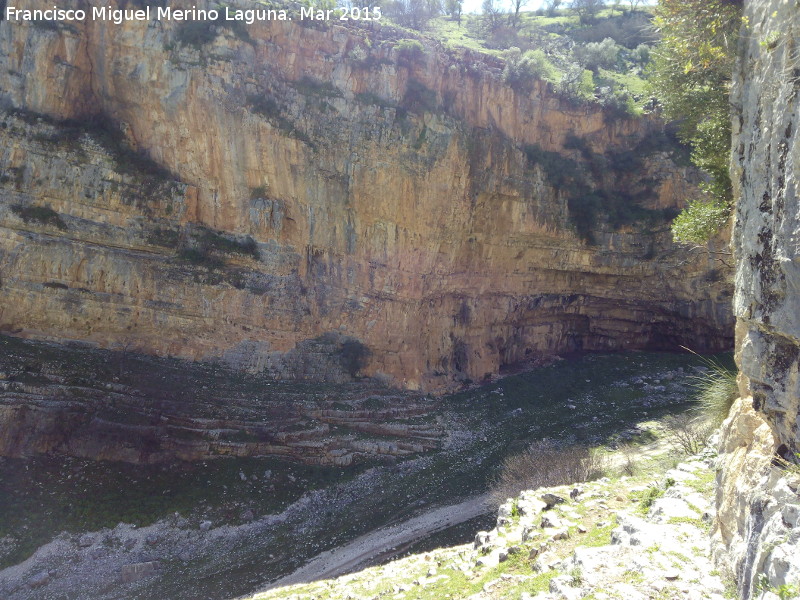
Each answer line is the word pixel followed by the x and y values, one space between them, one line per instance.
pixel 601 60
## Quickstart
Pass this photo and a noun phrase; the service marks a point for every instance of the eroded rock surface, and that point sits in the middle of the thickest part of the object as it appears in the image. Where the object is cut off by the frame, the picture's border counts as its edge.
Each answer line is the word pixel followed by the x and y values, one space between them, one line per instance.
pixel 618 540
pixel 247 192
pixel 757 498
pixel 116 406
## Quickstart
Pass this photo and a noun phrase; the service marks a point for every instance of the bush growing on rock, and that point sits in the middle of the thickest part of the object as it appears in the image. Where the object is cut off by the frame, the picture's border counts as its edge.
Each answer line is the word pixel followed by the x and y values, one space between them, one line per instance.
pixel 641 54
pixel 522 69
pixel 409 50
pixel 700 220
pixel 716 391
pixel 603 54
pixel 354 356
pixel 546 464
pixel 618 103
pixel 687 434
pixel 576 84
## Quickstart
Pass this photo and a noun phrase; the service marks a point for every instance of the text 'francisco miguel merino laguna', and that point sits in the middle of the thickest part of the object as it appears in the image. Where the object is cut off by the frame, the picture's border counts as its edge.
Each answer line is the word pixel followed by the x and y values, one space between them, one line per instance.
pixel 166 13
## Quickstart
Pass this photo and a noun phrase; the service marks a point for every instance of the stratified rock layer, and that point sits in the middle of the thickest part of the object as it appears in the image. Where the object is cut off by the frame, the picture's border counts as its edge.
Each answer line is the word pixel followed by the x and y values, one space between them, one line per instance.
pixel 757 527
pixel 306 180
pixel 140 409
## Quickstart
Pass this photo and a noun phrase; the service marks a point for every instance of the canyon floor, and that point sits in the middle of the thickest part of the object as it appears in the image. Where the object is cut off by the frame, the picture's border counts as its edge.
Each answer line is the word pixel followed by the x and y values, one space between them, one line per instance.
pixel 229 526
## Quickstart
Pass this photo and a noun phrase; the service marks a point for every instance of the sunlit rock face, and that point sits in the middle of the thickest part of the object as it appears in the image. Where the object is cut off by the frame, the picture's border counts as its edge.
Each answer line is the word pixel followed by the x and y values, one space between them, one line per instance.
pixel 756 530
pixel 765 240
pixel 257 193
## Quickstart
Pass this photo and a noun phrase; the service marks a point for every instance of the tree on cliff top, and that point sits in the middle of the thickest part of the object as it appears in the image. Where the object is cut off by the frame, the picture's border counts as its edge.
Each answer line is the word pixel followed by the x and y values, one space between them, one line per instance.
pixel 551 6
pixel 691 75
pixel 587 9
pixel 453 8
pixel 517 6
pixel 413 13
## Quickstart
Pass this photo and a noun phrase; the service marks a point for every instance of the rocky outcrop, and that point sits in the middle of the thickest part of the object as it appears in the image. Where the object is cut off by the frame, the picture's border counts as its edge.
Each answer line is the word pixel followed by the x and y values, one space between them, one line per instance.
pixel 758 501
pixel 205 191
pixel 604 539
pixel 137 409
pixel 757 530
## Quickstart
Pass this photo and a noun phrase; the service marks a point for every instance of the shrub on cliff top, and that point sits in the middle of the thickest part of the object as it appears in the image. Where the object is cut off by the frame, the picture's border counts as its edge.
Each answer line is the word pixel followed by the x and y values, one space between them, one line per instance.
pixel 576 84
pixel 409 50
pixel 598 54
pixel 587 9
pixel 522 69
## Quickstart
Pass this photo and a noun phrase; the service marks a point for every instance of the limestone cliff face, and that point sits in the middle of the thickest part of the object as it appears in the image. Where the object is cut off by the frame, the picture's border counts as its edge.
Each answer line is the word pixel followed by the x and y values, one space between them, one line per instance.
pixel 263 193
pixel 757 527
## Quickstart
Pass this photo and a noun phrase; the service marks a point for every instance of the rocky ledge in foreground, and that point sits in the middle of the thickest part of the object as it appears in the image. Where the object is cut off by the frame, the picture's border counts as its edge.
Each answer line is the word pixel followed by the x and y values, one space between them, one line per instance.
pixel 630 538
